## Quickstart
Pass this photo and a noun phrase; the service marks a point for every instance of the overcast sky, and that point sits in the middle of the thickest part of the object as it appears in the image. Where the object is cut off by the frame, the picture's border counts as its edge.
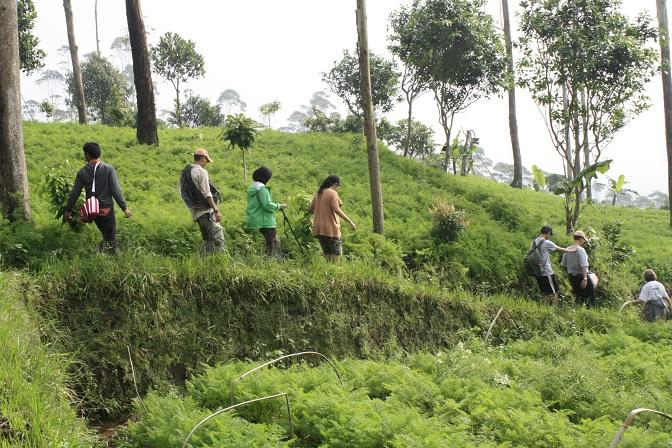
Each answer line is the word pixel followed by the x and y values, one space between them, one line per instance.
pixel 276 50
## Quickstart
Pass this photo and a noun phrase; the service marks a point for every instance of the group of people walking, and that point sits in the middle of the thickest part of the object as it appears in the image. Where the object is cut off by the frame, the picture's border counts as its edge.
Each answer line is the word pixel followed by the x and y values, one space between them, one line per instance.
pixel 653 295
pixel 99 180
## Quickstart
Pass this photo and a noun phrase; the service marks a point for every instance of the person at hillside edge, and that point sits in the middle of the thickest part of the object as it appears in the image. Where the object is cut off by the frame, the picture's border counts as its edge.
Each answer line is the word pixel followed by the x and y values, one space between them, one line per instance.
pixel 197 194
pixel 326 210
pixel 657 303
pixel 548 284
pixel 261 210
pixel 576 263
pixel 106 188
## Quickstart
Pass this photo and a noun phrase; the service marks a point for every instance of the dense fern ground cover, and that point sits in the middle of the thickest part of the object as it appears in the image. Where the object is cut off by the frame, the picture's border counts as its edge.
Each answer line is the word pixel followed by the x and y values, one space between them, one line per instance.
pixel 544 392
pixel 35 405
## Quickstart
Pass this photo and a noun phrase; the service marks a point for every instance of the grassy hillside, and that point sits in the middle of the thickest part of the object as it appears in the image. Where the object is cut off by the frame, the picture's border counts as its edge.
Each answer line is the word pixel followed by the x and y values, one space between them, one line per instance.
pixel 486 258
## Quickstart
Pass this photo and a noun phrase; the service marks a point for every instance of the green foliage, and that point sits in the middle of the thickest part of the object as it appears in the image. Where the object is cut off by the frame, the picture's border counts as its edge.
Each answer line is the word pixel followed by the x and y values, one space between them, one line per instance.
pixel 270 109
pixel 34 400
pixel 449 222
pixel 539 177
pixel 501 221
pixel 196 112
pixel 31 57
pixel 57 186
pixel 106 90
pixel 176 314
pixel 176 59
pixel 240 131
pixel 343 79
pixel 546 391
pixel 454 49
pixel 586 65
pixel 418 143
pixel 47 108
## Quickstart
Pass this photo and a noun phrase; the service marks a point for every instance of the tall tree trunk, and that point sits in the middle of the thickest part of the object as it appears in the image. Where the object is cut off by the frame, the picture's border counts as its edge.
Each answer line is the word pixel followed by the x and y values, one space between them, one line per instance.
pixel 369 120
pixel 95 14
pixel 146 132
pixel 517 181
pixel 409 122
pixel 586 143
pixel 76 70
pixel 664 40
pixel 14 195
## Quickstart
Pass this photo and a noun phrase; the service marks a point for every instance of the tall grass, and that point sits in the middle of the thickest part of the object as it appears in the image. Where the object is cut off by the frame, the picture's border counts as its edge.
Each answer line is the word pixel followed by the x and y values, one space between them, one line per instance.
pixel 35 403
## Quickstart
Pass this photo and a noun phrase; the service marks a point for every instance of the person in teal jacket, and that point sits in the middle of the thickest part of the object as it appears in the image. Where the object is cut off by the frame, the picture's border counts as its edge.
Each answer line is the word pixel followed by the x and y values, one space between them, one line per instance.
pixel 261 210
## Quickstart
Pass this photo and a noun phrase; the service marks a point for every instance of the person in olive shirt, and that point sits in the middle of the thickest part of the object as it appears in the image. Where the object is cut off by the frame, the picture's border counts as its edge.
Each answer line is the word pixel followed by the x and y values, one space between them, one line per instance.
pixel 261 210
pixel 107 188
pixel 197 194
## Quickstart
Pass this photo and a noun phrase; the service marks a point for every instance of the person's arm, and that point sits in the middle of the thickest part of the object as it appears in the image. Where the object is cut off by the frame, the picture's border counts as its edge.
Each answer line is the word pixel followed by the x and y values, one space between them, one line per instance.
pixel 312 204
pixel 115 188
pixel 336 207
pixel 265 201
pixel 583 262
pixel 203 185
pixel 74 194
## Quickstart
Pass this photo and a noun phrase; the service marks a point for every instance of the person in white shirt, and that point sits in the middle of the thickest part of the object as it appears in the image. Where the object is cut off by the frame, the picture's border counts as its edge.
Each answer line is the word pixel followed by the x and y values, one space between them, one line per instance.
pixel 577 264
pixel 654 297
pixel 548 284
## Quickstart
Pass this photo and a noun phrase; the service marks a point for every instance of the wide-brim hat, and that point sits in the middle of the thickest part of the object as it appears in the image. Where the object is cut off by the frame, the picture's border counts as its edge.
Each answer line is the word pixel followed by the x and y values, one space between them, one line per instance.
pixel 203 152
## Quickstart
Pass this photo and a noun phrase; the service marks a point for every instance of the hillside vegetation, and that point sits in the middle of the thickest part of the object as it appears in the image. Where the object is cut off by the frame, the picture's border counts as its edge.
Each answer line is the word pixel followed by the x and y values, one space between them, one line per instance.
pixel 395 296
pixel 500 221
pixel 35 404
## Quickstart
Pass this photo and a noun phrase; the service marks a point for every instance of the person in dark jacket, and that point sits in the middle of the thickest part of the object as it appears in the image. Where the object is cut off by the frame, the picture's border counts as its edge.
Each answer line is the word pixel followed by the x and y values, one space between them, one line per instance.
pixel 107 189
pixel 261 210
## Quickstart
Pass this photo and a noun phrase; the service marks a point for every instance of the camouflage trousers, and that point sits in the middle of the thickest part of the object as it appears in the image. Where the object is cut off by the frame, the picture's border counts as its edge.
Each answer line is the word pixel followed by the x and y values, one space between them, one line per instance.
pixel 212 233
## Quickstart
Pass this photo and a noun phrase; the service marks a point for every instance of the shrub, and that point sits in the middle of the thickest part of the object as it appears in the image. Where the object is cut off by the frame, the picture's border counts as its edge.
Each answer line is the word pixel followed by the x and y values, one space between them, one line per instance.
pixel 449 222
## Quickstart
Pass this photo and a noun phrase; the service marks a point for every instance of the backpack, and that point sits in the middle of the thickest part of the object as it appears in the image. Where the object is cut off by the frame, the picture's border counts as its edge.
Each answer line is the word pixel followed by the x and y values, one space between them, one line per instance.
pixel 533 262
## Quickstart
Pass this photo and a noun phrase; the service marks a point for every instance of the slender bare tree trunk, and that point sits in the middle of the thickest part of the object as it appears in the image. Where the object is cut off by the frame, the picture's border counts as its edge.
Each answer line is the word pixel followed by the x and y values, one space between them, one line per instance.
pixel 146 132
pixel 409 123
pixel 14 195
pixel 76 70
pixel 369 120
pixel 586 143
pixel 95 13
pixel 517 181
pixel 664 39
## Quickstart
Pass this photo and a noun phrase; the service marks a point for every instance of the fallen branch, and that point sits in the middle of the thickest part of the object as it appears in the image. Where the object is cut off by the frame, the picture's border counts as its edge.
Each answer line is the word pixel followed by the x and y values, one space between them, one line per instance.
pixel 221 411
pixel 273 361
pixel 628 421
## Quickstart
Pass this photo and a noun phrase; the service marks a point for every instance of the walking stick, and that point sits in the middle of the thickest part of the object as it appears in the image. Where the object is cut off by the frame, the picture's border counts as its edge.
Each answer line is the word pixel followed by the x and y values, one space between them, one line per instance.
pixel 285 224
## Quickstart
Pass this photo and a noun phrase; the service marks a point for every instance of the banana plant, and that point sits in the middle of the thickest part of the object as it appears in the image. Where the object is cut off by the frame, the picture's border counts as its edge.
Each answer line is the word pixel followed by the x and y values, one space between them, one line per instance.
pixel 572 189
pixel 616 187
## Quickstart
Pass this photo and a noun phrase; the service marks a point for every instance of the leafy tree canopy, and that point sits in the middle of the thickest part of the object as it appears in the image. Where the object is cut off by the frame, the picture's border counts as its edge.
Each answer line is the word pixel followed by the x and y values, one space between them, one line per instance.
pixel 344 80
pixel 176 59
pixel 198 111
pixel 106 91
pixel 32 57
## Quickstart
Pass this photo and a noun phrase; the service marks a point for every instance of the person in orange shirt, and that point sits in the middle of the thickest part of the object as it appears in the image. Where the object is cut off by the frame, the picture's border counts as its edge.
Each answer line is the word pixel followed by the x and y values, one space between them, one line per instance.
pixel 327 214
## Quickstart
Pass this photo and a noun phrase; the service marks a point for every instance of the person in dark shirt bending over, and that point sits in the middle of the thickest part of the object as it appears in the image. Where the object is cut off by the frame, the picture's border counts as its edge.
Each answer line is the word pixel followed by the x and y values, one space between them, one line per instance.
pixel 107 188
